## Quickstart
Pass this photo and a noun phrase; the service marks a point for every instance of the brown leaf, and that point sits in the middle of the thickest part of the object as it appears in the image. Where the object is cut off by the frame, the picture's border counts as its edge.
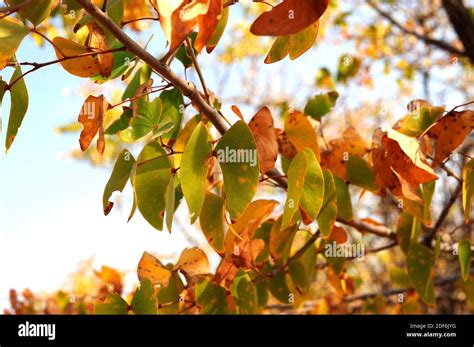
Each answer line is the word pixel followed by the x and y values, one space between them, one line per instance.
pixel 98 42
pixel 407 158
pixel 208 24
pixel 178 18
pixel 262 128
pixel 92 118
pixel 285 147
pixel 338 234
pixel 289 17
pixel 449 133
pixel 337 155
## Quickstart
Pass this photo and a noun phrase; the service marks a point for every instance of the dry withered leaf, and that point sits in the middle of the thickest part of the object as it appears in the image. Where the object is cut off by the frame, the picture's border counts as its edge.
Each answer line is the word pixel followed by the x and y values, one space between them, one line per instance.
pixel 179 18
pixel 407 159
pixel 449 133
pixel 98 43
pixel 285 147
pixel 262 128
pixel 92 118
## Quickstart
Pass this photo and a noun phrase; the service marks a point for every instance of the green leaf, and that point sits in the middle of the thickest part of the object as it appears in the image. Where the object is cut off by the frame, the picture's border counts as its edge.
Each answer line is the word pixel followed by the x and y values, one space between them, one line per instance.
pixel 3 89
pixel 115 10
pixel 419 265
pixel 148 119
pixel 468 189
pixel 405 228
pixel 296 173
pixel 464 254
pixel 281 239
pixel 173 110
pixel 211 221
pixel 428 190
pixel 321 104
pixel 313 189
pixel 118 179
pixel 221 25
pixel 262 293
pixel 19 106
pixel 144 300
pixel 170 203
pixel 244 294
pixel 344 202
pixel 120 124
pixel 238 159
pixel 360 174
pixel 348 68
pixel 12 33
pixel 193 171
pixel 416 122
pixel 328 213
pixel 399 277
pixel 113 304
pixel 278 287
pixel 142 76
pixel 263 233
pixel 151 178
pixel 169 297
pixel 182 53
pixel 122 61
pixel 437 249
pixel 302 270
pixel 36 11
pixel 293 45
pixel 212 298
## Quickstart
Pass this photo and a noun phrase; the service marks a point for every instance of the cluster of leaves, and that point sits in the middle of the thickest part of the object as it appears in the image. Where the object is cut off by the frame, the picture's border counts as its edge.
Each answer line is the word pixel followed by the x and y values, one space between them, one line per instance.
pixel 262 252
pixel 79 295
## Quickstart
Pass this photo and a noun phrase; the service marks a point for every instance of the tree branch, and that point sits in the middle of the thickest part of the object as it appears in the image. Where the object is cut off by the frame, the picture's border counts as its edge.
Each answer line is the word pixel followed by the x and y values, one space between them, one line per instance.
pixel 442 216
pixel 438 282
pixel 463 24
pixel 14 8
pixel 188 89
pixel 438 43
pixel 379 230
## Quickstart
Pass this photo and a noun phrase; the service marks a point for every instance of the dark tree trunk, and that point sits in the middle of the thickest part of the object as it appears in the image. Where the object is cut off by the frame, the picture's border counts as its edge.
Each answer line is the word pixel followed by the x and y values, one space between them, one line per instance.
pixel 462 23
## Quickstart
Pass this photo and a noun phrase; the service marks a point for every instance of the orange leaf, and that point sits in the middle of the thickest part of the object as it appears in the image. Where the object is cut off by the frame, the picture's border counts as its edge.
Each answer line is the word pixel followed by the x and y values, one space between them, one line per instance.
pixel 407 158
pixel 179 17
pixel 85 66
pixel 98 43
pixel 92 118
pixel 449 133
pixel 289 17
pixel 350 143
pixel 262 128
pixel 237 111
pixel 285 147
pixel 208 24
pixel 338 234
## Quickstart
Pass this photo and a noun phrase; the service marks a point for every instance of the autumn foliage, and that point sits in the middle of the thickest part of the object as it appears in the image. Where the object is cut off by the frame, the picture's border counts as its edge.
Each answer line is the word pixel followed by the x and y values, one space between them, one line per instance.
pixel 273 197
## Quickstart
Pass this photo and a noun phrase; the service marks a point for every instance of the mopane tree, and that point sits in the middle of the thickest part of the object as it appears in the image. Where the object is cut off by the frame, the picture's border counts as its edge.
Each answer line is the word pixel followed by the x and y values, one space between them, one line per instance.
pixel 316 198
